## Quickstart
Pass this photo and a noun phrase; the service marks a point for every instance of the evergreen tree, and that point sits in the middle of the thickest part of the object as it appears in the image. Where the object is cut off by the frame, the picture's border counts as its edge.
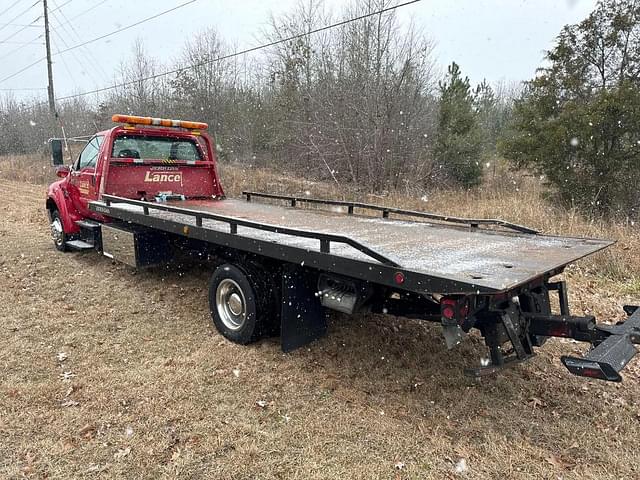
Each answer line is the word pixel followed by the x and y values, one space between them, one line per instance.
pixel 458 144
pixel 578 121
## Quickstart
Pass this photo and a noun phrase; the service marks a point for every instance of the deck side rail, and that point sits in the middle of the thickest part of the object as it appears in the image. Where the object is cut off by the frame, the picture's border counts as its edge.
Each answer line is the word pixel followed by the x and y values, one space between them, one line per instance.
pixel 472 222
pixel 324 238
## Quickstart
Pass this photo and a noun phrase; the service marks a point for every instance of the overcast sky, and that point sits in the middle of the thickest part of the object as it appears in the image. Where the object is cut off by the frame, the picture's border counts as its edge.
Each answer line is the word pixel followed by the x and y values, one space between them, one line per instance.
pixel 492 39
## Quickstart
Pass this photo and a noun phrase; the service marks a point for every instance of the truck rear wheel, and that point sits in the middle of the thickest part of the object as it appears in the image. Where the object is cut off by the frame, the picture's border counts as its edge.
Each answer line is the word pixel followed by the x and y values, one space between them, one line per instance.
pixel 239 303
pixel 57 231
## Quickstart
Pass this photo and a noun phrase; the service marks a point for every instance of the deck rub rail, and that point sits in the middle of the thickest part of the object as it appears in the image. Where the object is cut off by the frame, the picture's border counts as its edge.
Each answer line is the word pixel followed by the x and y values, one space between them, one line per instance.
pixel 324 238
pixel 472 222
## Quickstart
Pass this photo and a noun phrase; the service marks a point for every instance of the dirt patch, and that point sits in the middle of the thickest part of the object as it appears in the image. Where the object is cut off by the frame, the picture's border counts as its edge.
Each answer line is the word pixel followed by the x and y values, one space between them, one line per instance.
pixel 114 373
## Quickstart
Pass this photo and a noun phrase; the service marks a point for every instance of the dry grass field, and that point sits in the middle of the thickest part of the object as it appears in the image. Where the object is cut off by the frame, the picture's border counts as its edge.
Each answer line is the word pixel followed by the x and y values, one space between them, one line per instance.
pixel 111 373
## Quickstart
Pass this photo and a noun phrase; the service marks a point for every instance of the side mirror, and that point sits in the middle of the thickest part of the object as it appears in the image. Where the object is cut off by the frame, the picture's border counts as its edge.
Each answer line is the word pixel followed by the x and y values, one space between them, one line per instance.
pixel 56 152
pixel 62 171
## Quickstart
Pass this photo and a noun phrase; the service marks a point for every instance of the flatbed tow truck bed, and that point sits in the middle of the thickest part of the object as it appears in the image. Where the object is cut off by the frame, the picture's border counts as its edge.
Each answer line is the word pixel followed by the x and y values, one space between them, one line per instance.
pixel 483 259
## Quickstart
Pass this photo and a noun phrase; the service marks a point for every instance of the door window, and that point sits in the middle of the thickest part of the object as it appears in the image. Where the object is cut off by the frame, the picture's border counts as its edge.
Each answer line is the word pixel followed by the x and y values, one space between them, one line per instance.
pixel 89 155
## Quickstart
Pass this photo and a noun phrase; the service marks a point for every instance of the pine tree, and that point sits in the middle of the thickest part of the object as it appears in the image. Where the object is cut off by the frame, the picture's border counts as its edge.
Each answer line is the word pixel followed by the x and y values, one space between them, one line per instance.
pixel 458 143
pixel 578 121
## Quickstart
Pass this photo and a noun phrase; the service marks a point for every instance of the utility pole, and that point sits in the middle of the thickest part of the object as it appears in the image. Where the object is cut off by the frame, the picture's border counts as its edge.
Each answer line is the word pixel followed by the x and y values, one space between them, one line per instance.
pixel 52 98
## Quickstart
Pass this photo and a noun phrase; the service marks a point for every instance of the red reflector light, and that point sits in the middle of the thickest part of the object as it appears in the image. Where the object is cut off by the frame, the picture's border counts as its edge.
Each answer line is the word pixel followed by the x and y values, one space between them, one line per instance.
pixel 593 373
pixel 448 308
pixel 399 278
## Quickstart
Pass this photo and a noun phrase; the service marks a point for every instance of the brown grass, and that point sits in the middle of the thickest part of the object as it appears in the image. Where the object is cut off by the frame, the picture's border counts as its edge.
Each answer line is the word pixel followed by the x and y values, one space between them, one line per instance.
pixel 157 396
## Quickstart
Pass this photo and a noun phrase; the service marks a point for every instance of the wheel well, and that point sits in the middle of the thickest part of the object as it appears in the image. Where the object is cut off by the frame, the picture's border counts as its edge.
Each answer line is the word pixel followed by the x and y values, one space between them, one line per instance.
pixel 51 206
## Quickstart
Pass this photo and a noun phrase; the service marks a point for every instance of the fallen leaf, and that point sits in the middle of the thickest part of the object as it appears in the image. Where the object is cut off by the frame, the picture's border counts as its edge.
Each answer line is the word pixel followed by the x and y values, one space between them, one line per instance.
pixel 88 431
pixel 68 445
pixel 95 468
pixel 558 462
pixel 122 452
pixel 176 454
pixel 536 402
pixel 262 403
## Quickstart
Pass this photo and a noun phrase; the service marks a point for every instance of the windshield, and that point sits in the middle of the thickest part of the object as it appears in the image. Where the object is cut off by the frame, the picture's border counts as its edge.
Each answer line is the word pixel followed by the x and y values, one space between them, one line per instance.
pixel 155 148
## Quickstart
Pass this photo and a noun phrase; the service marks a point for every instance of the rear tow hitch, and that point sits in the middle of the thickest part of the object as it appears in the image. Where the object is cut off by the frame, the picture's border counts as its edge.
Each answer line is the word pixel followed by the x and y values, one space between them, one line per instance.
pixel 613 349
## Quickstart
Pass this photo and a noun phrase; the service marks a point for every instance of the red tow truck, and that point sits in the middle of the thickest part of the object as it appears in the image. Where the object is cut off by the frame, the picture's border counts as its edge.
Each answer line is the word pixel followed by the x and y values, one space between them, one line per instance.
pixel 148 189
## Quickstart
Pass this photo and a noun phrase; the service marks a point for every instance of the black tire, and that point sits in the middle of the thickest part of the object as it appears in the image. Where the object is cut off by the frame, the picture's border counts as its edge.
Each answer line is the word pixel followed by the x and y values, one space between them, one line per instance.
pixel 240 303
pixel 59 237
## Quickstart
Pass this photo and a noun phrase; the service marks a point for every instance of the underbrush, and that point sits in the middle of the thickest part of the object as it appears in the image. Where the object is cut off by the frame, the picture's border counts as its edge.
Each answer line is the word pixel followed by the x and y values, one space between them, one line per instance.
pixel 510 196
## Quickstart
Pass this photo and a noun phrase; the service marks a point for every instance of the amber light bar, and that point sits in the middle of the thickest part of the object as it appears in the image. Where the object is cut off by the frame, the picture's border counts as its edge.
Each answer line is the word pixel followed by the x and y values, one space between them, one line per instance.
pixel 159 122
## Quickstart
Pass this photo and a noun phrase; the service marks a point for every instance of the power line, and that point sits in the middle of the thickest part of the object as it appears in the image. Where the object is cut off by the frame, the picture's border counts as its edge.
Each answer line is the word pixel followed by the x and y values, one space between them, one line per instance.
pixel 78 59
pixel 9 7
pixel 128 26
pixel 22 29
pixel 99 38
pixel 31 42
pixel 20 14
pixel 19 25
pixel 92 61
pixel 86 11
pixel 22 89
pixel 58 7
pixel 241 52
pixel 26 44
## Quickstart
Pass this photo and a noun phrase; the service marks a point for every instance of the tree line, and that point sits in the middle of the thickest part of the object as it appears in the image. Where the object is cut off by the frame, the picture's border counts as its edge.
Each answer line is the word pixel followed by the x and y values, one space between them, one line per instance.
pixel 356 105
pixel 365 105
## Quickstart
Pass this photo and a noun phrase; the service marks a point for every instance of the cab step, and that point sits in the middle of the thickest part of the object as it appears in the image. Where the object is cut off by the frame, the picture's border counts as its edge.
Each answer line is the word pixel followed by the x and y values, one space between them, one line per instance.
pixel 90 232
pixel 88 224
pixel 79 245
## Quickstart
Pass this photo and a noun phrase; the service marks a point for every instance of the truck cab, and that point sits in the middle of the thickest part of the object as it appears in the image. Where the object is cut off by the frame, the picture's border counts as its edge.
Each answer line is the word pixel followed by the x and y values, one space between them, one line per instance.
pixel 142 158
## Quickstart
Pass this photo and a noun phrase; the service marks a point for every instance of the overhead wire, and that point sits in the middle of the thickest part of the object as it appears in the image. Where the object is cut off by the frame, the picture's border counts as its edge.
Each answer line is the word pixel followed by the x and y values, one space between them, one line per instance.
pixel 92 7
pixel 87 51
pixel 21 30
pixel 23 45
pixel 241 52
pixel 99 38
pixel 58 7
pixel 78 59
pixel 30 42
pixel 19 25
pixel 9 7
pixel 28 89
pixel 20 14
pixel 129 26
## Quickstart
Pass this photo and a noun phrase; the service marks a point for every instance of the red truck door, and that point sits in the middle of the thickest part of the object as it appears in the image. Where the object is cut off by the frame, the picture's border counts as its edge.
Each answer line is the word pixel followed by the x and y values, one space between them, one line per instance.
pixel 82 179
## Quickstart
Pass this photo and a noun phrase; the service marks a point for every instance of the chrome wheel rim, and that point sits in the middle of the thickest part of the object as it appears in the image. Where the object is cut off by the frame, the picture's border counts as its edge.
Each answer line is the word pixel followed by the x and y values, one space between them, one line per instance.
pixel 57 233
pixel 231 304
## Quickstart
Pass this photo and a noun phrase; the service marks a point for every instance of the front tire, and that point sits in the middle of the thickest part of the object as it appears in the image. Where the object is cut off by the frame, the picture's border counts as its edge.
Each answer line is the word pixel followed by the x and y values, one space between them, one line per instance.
pixel 239 304
pixel 58 234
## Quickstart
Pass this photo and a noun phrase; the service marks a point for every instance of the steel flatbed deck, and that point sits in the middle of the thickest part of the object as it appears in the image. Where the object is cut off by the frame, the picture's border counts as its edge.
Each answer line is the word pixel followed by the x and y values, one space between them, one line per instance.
pixel 435 256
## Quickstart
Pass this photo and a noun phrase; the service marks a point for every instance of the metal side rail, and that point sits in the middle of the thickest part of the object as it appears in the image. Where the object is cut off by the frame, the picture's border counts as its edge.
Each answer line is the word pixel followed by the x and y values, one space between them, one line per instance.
pixel 612 351
pixel 472 222
pixel 324 238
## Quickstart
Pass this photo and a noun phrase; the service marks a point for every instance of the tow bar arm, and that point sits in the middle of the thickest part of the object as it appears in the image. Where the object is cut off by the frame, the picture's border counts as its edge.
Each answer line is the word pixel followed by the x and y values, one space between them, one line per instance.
pixel 613 348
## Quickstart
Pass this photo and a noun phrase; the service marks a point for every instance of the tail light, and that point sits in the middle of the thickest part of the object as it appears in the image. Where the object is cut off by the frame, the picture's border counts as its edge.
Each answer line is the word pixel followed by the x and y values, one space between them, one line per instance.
pixel 454 309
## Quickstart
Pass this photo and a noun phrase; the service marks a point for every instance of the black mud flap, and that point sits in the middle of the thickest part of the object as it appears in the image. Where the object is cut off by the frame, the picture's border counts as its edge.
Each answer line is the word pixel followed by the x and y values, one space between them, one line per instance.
pixel 610 356
pixel 303 318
